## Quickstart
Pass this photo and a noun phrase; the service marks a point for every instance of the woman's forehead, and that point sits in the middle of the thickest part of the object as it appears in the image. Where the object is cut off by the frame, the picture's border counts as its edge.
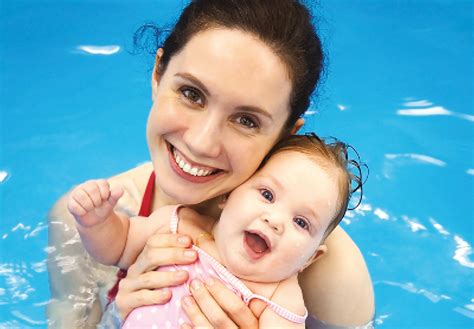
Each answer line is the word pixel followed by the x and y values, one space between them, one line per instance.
pixel 236 65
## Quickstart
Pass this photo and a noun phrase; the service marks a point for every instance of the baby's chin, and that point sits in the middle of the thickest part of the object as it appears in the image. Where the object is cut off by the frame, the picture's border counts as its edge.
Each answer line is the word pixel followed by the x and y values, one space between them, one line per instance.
pixel 248 273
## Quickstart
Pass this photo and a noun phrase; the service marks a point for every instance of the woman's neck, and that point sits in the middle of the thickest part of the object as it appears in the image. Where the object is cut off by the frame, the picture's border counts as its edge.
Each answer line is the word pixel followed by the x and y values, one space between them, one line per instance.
pixel 207 208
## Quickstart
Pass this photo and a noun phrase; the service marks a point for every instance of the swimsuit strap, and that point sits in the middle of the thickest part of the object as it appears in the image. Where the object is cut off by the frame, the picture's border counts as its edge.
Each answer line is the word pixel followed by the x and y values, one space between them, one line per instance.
pixel 145 211
pixel 174 220
pixel 281 311
pixel 246 293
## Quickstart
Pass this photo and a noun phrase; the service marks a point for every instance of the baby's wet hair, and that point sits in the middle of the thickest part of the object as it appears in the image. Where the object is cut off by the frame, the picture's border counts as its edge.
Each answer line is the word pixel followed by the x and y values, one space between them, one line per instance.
pixel 331 153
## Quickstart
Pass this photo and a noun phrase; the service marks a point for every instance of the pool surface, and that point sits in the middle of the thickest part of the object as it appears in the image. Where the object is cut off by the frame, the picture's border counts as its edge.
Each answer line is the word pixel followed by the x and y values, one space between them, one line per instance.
pixel 74 103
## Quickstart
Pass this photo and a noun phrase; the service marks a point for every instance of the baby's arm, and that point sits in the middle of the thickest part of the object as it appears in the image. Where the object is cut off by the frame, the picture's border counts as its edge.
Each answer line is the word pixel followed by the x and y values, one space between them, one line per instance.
pixel 140 230
pixel 103 231
pixel 288 295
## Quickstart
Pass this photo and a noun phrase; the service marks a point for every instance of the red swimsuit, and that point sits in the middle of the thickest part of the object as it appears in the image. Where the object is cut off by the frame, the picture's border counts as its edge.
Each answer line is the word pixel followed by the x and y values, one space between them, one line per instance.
pixel 145 211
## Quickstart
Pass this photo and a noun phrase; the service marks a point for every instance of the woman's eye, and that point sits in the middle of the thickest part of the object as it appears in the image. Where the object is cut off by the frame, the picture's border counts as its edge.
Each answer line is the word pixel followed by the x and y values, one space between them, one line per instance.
pixel 267 195
pixel 192 95
pixel 301 223
pixel 247 122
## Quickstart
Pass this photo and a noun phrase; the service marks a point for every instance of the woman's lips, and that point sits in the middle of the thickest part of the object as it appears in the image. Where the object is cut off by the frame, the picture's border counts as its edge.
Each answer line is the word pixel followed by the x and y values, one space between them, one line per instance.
pixel 256 244
pixel 188 170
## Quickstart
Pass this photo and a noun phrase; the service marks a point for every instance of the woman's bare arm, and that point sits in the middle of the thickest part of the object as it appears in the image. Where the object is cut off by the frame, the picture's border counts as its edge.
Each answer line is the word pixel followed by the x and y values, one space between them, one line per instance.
pixel 337 288
pixel 71 278
pixel 288 295
pixel 75 279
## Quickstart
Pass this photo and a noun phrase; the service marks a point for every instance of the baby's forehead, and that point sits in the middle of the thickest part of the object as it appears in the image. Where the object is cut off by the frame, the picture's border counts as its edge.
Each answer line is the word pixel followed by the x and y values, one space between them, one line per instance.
pixel 290 164
pixel 288 156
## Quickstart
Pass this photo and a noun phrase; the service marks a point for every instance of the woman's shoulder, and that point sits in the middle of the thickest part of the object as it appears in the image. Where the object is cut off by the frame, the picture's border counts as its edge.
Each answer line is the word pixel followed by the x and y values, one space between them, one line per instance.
pixel 338 288
pixel 134 180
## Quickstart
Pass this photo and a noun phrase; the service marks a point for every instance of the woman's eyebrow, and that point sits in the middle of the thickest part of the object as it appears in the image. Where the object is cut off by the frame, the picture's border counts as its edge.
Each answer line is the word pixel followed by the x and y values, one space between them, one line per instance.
pixel 191 78
pixel 255 109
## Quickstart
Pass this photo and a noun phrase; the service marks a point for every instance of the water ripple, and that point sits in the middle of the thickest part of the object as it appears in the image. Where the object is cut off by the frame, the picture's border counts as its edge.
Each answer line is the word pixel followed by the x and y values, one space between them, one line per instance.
pixel 423 102
pixel 463 311
pixel 99 50
pixel 410 287
pixel 381 214
pixel 417 157
pixel 438 226
pixel 380 319
pixel 430 111
pixel 3 175
pixel 25 318
pixel 18 286
pixel 463 250
pixel 414 224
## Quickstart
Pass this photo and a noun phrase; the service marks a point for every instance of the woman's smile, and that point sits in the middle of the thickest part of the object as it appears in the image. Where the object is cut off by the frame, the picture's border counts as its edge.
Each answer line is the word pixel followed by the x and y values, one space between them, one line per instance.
pixel 190 170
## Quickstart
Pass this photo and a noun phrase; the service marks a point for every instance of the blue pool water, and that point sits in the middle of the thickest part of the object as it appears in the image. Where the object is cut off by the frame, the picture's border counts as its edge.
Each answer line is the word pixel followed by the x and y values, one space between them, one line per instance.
pixel 399 87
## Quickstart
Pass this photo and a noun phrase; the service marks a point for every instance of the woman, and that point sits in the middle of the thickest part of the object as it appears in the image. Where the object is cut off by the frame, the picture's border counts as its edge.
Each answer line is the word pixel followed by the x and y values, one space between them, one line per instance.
pixel 231 79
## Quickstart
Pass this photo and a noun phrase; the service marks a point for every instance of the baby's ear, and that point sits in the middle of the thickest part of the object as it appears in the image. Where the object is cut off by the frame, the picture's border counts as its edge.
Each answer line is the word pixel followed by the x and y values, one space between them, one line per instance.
pixel 223 201
pixel 320 252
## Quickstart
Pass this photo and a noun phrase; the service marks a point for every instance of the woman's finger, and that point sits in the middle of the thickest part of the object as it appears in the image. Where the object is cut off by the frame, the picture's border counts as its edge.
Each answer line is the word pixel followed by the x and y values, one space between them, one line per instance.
pixel 231 304
pixel 163 249
pixel 126 302
pixel 149 259
pixel 195 314
pixel 147 289
pixel 154 280
pixel 169 240
pixel 208 305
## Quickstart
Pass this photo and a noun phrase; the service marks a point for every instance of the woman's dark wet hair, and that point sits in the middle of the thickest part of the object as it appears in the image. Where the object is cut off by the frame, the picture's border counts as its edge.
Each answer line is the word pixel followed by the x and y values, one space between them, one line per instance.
pixel 334 155
pixel 283 25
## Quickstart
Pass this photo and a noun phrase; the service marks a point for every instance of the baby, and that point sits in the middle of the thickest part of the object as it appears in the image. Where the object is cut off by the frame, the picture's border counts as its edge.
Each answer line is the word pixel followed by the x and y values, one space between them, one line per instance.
pixel 270 229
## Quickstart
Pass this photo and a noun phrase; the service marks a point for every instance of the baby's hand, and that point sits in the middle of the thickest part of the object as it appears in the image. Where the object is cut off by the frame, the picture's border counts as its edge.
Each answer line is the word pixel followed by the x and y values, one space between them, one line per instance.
pixel 93 201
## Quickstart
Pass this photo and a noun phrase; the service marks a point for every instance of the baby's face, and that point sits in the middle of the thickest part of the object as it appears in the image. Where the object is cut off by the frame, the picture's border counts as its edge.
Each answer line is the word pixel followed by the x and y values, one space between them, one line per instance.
pixel 273 224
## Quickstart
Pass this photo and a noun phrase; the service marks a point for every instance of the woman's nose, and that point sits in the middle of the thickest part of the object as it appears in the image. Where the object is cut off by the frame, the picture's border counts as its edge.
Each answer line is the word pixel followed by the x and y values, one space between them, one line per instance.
pixel 276 225
pixel 203 137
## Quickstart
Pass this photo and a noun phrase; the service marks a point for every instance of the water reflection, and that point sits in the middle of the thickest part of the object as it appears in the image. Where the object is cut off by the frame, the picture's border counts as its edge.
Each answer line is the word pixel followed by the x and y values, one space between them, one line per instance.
pixel 424 108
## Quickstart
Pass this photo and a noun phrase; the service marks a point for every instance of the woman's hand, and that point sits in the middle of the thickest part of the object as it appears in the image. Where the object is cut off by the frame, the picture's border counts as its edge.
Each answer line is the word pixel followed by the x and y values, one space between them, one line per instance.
pixel 143 285
pixel 213 305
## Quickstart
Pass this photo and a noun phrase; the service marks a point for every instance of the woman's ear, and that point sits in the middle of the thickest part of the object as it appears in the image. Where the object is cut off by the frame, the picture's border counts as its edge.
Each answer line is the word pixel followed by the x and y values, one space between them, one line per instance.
pixel 155 75
pixel 320 252
pixel 298 124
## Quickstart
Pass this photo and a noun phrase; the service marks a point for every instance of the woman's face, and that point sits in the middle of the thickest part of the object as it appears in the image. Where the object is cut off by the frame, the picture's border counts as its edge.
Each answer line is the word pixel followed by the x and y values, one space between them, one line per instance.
pixel 217 110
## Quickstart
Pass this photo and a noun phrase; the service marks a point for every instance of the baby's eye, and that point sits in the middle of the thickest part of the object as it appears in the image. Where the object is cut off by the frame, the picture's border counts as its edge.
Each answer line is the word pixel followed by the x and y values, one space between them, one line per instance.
pixel 301 223
pixel 267 194
pixel 248 122
pixel 192 95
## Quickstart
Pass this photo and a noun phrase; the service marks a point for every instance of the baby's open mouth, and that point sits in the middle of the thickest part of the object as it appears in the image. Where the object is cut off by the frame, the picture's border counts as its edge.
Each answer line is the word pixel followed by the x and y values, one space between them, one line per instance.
pixel 257 242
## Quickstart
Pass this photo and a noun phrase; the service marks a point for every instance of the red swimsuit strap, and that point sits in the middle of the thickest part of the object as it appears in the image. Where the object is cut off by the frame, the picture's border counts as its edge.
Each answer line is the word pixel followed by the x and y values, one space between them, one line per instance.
pixel 145 211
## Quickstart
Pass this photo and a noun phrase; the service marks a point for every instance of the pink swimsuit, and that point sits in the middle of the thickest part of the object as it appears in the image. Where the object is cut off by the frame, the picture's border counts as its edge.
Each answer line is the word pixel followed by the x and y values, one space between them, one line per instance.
pixel 171 315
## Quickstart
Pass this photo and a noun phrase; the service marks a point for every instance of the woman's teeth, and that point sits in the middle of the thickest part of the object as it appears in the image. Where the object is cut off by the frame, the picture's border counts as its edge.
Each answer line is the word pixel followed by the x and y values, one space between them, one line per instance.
pixel 188 168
